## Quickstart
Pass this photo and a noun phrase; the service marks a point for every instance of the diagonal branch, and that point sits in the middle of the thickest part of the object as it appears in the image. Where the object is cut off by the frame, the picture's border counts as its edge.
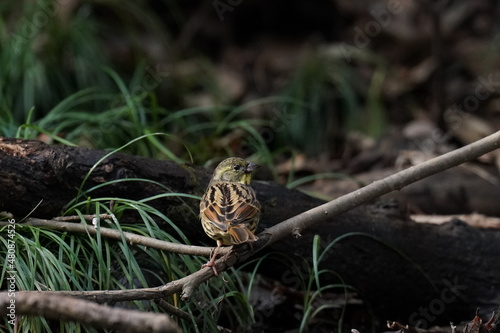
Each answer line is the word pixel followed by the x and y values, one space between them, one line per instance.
pixel 294 226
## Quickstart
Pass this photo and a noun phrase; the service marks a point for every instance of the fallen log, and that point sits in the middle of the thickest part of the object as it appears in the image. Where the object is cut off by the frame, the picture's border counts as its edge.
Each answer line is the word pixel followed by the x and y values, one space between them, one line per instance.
pixel 411 272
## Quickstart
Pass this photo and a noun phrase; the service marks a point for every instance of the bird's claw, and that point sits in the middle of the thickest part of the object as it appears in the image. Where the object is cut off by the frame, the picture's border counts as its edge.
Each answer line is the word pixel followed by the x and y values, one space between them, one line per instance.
pixel 211 263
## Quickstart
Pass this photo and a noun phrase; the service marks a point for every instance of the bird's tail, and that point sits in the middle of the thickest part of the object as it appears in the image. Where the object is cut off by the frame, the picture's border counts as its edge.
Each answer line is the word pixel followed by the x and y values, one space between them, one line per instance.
pixel 240 234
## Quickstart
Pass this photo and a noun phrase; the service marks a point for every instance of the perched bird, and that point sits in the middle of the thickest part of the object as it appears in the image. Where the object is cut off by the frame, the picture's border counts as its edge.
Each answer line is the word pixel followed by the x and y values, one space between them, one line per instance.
pixel 229 209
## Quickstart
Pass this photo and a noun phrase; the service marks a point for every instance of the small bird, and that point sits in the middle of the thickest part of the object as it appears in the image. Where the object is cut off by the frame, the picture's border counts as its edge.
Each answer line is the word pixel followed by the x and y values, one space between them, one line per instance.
pixel 229 209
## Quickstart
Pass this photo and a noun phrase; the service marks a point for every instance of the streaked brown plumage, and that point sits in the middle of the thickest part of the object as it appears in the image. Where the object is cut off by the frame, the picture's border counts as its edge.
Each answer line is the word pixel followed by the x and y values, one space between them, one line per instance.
pixel 229 209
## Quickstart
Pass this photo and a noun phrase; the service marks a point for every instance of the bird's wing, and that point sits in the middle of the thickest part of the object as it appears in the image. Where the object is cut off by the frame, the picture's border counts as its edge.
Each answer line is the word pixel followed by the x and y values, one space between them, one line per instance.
pixel 230 203
pixel 211 209
pixel 245 212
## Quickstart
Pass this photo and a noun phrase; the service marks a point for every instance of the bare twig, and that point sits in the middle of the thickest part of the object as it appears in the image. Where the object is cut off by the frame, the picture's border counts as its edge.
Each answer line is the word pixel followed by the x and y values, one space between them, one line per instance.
pixel 89 217
pixel 296 224
pixel 178 312
pixel 131 238
pixel 187 285
pixel 100 316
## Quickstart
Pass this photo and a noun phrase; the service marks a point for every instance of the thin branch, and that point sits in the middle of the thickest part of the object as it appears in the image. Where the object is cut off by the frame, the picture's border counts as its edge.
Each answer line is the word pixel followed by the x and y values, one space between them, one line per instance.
pixel 186 285
pixel 77 218
pixel 99 316
pixel 131 238
pixel 167 307
pixel 295 225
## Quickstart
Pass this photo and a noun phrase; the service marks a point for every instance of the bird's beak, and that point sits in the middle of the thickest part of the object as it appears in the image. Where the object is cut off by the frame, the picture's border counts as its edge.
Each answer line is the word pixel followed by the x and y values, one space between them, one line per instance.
pixel 252 166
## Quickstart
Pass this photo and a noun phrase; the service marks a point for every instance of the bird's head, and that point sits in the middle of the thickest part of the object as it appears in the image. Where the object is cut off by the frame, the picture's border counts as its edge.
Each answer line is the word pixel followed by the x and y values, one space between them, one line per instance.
pixel 235 169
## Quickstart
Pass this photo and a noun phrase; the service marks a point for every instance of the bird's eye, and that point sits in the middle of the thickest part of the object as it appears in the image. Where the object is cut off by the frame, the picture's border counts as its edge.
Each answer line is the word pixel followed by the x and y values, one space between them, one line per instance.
pixel 237 167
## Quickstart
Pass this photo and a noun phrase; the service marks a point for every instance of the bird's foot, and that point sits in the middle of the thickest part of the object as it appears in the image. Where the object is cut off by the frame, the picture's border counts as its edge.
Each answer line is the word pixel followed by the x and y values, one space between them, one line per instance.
pixel 211 263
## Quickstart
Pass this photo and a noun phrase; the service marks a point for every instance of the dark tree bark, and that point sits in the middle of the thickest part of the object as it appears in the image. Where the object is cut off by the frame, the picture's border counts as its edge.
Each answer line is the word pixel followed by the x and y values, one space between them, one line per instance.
pixel 405 270
pixel 32 172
